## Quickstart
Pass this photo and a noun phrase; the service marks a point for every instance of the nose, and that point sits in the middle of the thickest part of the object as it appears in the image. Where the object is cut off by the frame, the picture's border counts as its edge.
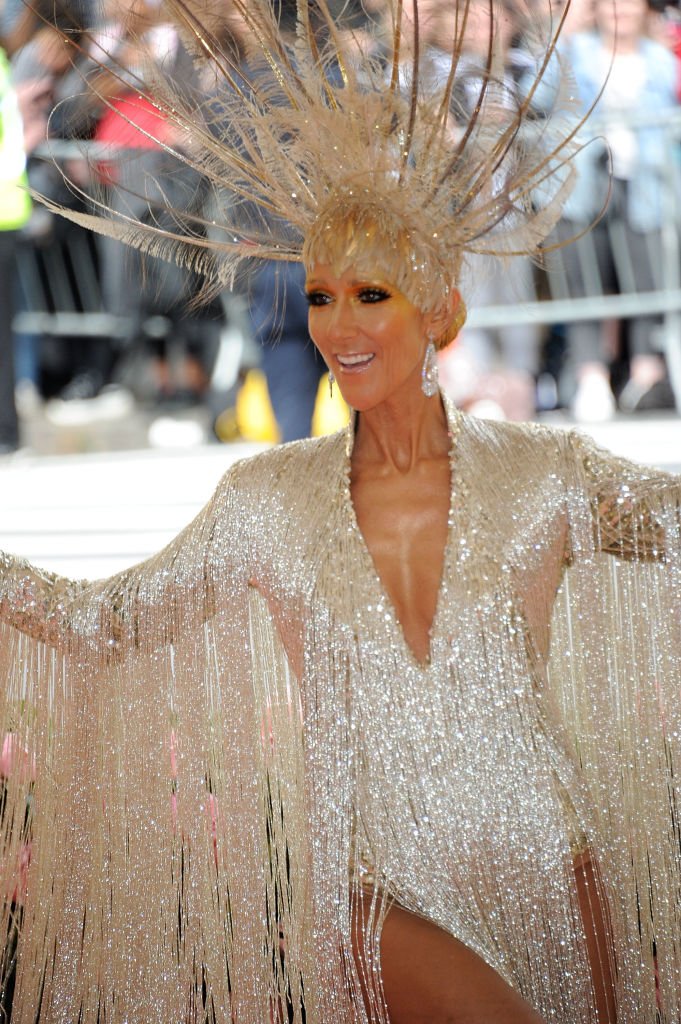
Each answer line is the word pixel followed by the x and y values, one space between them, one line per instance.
pixel 342 320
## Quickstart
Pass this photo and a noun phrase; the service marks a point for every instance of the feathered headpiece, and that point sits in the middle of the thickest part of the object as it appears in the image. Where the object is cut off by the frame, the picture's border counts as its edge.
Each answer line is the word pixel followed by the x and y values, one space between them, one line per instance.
pixel 327 144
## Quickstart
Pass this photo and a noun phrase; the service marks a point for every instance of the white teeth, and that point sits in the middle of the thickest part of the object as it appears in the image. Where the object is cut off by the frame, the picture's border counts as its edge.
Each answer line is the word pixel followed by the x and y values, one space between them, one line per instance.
pixel 353 360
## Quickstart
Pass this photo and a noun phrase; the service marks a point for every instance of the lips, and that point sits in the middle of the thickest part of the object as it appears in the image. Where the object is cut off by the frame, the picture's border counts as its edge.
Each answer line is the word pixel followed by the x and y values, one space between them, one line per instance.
pixel 355 362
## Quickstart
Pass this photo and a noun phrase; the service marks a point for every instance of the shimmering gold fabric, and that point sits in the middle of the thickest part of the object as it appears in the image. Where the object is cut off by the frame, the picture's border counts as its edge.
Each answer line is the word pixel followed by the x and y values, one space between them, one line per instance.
pixel 228 736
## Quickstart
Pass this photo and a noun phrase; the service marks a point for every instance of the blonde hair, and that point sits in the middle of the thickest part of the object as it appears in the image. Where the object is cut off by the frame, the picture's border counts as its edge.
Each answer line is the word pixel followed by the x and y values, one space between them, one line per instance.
pixel 357 231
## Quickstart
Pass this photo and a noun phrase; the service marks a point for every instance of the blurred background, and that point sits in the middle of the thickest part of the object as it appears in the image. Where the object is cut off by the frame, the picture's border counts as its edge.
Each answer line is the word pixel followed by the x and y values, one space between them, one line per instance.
pixel 100 351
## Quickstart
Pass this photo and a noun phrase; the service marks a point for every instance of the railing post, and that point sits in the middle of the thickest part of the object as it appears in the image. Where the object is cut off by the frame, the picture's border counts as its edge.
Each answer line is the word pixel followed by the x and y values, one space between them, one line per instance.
pixel 671 267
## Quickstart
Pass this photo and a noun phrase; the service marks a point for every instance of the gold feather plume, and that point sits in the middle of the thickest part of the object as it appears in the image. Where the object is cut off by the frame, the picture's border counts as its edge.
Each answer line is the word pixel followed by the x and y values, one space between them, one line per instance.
pixel 311 131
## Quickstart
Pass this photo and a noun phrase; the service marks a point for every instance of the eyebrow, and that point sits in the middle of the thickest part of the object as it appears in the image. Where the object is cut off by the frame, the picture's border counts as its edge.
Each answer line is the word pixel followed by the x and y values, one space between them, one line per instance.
pixel 361 282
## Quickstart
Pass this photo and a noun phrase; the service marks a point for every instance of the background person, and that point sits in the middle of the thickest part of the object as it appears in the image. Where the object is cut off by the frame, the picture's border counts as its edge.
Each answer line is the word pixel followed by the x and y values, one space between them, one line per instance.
pixel 15 210
pixel 640 88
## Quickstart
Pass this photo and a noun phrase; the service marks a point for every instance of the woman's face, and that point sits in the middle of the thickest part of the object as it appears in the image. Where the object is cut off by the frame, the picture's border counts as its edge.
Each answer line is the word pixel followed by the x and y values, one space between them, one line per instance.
pixel 626 21
pixel 368 332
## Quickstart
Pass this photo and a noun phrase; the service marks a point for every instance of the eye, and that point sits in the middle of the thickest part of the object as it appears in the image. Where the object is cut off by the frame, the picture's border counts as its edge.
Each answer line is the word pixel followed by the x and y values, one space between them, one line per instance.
pixel 317 298
pixel 370 295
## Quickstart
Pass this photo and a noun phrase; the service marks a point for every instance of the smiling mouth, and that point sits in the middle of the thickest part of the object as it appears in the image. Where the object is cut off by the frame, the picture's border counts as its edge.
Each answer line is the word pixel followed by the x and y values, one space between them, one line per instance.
pixel 355 363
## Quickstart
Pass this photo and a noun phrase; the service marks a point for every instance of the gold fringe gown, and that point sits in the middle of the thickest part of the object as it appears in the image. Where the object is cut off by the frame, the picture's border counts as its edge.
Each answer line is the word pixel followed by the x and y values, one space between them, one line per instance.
pixel 233 739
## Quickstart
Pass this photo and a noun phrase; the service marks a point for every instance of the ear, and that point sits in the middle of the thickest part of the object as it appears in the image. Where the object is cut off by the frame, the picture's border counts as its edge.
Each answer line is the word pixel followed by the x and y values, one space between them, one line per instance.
pixel 448 318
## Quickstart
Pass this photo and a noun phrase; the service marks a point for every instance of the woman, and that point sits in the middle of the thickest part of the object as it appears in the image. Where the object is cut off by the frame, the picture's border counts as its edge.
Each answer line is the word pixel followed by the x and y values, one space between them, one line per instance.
pixel 419 679
pixel 375 343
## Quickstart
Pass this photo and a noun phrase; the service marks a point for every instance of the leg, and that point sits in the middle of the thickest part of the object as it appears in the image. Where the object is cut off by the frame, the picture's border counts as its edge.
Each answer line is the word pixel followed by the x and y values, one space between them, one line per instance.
pixel 647 371
pixel 289 359
pixel 589 271
pixel 594 912
pixel 641 248
pixel 292 370
pixel 429 977
pixel 9 426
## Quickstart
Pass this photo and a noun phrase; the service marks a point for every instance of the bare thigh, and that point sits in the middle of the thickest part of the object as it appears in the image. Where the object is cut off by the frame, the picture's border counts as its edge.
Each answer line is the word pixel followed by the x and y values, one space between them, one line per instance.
pixel 595 919
pixel 429 977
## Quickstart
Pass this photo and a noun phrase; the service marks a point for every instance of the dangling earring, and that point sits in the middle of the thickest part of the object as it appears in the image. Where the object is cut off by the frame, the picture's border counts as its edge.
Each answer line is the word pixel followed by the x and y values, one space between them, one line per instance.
pixel 429 371
pixel 332 381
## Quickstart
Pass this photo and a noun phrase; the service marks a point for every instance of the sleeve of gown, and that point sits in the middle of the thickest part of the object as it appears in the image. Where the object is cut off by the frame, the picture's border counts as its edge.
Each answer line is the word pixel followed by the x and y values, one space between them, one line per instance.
pixel 131 833
pixel 615 671
pixel 636 510
pixel 35 601
pixel 108 614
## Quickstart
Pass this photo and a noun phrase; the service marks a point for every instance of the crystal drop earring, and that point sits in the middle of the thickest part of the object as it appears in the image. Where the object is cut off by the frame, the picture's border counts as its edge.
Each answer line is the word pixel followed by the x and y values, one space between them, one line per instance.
pixel 332 381
pixel 429 371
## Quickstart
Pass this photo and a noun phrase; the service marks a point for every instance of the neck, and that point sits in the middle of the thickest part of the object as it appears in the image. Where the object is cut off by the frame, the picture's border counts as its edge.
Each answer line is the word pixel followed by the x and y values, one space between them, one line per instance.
pixel 620 44
pixel 627 46
pixel 399 433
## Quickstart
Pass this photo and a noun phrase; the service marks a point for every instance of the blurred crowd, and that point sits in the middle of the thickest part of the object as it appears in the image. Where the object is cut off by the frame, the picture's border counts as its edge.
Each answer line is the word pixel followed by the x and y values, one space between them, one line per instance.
pixel 89 328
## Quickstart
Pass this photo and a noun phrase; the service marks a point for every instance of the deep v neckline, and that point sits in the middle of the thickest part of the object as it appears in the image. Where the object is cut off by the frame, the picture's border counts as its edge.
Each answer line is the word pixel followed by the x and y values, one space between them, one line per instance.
pixel 454 428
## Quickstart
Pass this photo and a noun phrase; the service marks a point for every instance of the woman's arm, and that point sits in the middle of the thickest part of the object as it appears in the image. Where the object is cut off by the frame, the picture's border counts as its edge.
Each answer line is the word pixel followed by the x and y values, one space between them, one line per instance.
pixel 163 594
pixel 34 601
pixel 636 509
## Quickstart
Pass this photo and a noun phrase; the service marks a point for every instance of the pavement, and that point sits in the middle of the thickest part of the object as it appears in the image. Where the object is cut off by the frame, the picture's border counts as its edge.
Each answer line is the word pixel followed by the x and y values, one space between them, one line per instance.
pixel 95 511
pixel 653 440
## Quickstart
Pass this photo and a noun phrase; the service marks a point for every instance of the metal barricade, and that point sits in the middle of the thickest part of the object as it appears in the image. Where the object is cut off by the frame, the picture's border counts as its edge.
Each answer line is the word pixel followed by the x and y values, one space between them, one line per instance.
pixel 60 280
pixel 553 302
pixel 61 289
pixel 67 302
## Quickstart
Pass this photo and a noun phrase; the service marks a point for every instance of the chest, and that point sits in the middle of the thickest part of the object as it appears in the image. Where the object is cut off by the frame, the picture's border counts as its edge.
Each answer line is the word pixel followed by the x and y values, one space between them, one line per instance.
pixel 403 522
pixel 502 543
pixel 350 580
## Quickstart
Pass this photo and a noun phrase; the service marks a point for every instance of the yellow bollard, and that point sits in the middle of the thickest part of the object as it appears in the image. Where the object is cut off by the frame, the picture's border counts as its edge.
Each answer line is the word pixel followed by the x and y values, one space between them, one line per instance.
pixel 254 416
pixel 330 411
pixel 255 419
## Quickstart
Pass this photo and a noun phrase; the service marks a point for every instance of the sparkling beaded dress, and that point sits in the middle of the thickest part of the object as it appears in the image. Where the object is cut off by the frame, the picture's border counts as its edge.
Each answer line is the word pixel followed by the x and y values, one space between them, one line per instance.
pixel 233 740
